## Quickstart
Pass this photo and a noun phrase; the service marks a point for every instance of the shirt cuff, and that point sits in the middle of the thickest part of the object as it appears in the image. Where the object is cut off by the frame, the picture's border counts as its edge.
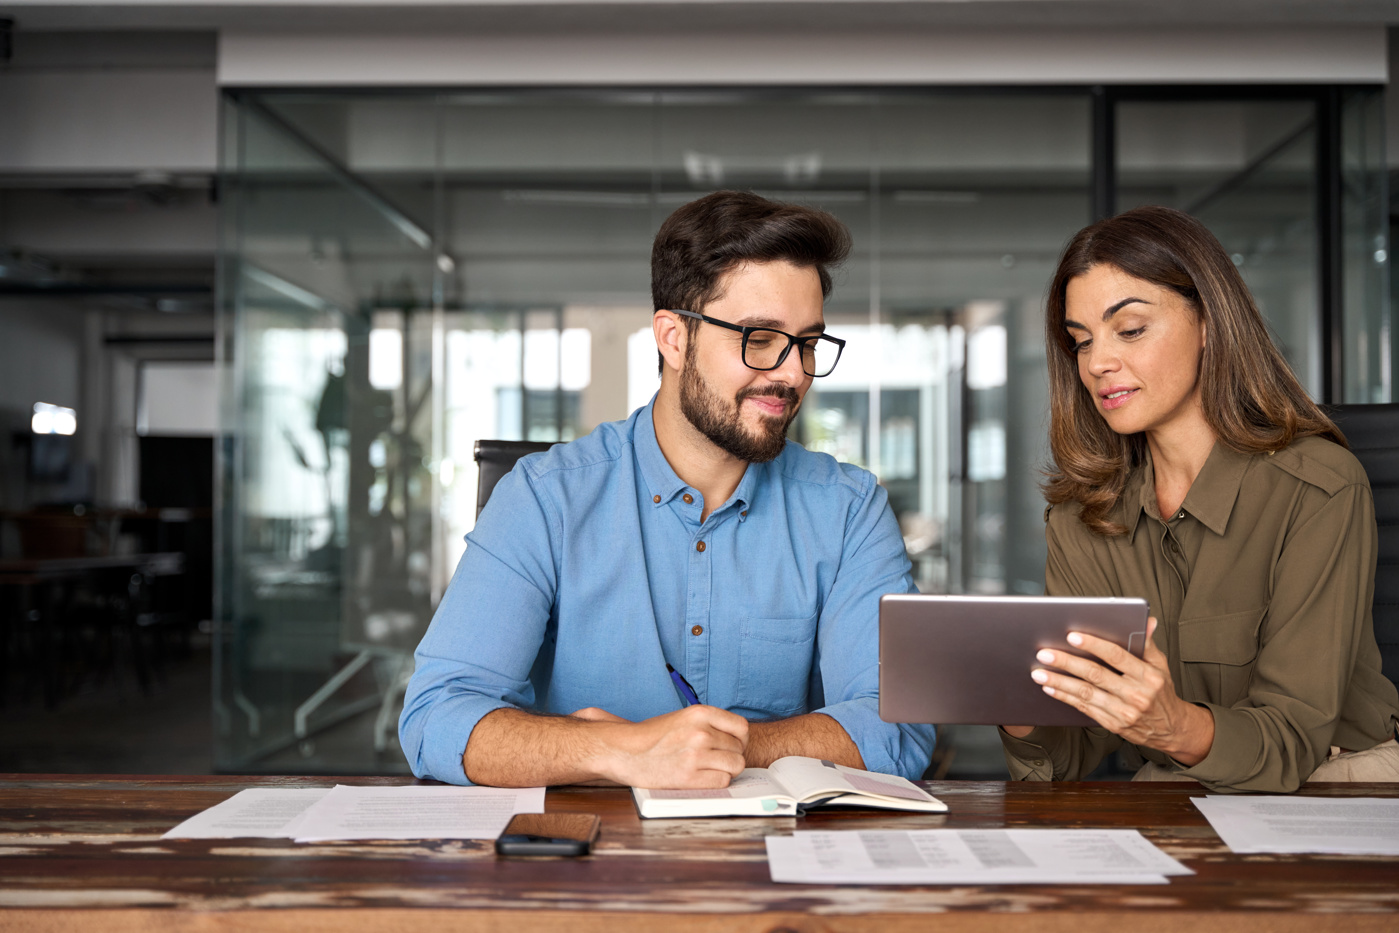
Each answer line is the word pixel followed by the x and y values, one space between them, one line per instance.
pixel 904 749
pixel 448 728
pixel 1026 759
pixel 1236 742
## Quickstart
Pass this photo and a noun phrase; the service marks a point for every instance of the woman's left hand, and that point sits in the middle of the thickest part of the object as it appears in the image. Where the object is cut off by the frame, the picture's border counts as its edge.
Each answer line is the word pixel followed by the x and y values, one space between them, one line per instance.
pixel 1139 703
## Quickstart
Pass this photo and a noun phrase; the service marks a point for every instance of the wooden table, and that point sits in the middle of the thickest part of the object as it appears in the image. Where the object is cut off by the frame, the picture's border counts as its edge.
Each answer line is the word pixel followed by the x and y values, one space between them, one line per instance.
pixel 84 852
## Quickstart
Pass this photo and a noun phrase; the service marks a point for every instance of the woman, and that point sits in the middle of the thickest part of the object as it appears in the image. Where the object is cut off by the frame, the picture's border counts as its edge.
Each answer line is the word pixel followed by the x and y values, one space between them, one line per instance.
pixel 1192 470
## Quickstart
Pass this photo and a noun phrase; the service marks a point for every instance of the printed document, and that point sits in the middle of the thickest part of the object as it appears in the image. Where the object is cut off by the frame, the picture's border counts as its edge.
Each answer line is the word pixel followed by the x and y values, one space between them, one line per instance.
pixel 416 812
pixel 342 812
pixel 970 856
pixel 259 812
pixel 1330 825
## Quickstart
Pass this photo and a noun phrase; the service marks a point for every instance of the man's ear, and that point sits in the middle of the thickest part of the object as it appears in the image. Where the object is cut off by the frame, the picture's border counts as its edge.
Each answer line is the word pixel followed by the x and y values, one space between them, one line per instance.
pixel 671 336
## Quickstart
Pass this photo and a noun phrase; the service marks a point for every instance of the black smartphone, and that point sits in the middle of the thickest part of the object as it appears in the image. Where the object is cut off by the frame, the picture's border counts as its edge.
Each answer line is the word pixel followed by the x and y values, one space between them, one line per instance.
pixel 549 834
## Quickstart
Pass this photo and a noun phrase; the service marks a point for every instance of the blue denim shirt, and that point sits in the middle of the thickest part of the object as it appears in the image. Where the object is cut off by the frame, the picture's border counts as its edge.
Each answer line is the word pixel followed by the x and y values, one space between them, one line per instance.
pixel 589 570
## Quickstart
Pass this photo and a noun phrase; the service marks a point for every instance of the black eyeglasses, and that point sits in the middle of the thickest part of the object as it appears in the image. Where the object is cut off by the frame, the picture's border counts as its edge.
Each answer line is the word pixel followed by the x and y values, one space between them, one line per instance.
pixel 766 349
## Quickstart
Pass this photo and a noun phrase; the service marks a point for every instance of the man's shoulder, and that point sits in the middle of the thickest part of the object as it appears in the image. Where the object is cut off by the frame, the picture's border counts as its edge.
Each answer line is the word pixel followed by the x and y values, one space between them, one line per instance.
pixel 796 464
pixel 595 452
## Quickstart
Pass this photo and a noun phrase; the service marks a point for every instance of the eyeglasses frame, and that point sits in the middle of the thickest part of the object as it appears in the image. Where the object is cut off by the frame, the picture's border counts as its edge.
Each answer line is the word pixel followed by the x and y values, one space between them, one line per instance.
pixel 792 340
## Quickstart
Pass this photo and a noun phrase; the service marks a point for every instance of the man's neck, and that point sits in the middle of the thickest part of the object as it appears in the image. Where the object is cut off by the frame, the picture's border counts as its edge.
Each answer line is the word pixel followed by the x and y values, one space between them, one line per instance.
pixel 694 458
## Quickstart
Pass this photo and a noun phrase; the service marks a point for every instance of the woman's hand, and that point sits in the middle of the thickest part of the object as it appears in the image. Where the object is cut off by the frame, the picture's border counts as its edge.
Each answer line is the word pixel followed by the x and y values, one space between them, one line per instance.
pixel 1140 703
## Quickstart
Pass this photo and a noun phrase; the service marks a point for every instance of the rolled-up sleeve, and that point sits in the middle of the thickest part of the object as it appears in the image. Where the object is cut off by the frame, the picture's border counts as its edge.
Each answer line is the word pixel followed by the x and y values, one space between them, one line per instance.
pixel 1318 614
pixel 483 640
pixel 873 563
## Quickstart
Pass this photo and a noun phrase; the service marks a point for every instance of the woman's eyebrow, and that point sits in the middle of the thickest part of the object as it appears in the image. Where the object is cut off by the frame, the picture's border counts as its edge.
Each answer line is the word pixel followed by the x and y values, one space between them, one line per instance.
pixel 1121 304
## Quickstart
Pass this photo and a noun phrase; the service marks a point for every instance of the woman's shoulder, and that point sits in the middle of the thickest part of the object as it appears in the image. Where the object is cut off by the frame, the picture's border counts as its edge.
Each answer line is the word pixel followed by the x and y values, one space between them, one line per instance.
pixel 1319 462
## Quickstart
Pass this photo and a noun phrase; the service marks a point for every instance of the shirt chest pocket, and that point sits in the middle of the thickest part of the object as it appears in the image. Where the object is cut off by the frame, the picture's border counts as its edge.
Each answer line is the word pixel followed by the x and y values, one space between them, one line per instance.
pixel 1217 655
pixel 774 666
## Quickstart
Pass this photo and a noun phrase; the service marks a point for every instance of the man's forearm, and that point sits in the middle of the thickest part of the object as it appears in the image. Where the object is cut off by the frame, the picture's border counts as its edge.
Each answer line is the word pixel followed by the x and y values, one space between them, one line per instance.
pixel 695 747
pixel 814 735
pixel 513 748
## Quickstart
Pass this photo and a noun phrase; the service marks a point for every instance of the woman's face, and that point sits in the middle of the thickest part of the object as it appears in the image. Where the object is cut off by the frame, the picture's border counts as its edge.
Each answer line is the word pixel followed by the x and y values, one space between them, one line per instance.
pixel 1139 348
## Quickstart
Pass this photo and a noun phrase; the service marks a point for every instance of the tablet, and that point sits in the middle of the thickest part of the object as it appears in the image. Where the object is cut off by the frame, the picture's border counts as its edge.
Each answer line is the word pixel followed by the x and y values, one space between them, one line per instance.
pixel 967 659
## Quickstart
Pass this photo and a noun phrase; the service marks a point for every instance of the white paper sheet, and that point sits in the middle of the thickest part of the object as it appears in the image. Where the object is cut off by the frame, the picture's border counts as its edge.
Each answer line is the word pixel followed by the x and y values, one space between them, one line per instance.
pixel 1331 825
pixel 983 856
pixel 416 812
pixel 261 812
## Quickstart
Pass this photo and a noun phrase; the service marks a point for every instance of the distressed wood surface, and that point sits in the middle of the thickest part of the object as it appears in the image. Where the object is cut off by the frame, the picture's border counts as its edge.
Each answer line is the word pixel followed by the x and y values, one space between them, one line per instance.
pixel 87 849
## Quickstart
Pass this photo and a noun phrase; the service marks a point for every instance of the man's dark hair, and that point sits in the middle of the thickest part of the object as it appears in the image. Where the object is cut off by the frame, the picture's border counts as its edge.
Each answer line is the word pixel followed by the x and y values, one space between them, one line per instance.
pixel 706 238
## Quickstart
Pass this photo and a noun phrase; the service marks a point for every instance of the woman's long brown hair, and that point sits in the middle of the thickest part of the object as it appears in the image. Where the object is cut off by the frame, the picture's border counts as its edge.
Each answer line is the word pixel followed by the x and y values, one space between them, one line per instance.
pixel 1251 399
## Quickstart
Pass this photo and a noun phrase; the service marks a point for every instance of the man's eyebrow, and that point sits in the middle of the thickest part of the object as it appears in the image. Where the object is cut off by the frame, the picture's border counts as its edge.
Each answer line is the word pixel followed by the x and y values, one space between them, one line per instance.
pixel 775 324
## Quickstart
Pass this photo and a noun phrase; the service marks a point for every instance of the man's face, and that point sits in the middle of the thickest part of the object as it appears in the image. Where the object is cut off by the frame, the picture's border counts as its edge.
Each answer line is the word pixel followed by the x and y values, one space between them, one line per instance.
pixel 742 411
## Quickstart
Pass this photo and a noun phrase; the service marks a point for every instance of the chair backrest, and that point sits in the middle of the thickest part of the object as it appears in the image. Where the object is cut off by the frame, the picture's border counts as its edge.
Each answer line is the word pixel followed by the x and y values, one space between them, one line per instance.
pixel 495 459
pixel 1373 433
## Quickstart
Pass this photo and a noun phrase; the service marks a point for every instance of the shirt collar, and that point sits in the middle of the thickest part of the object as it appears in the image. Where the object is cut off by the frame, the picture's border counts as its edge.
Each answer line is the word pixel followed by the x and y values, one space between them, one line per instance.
pixel 1213 494
pixel 661 480
pixel 1211 497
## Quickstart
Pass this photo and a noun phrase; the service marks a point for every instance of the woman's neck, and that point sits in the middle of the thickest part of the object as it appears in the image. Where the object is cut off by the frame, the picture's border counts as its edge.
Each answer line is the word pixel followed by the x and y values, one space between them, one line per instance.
pixel 1177 457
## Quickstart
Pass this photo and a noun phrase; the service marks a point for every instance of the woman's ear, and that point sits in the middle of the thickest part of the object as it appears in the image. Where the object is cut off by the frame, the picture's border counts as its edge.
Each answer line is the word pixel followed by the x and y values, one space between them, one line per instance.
pixel 670 337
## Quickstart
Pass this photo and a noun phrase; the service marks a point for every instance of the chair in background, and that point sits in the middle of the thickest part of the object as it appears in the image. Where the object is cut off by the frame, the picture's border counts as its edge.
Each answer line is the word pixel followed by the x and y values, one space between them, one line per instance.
pixel 1373 433
pixel 494 459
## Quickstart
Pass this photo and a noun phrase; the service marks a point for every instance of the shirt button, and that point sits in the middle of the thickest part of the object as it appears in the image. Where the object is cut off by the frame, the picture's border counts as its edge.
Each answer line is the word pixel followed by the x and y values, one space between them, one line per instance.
pixel 700 547
pixel 655 498
pixel 1180 514
pixel 1174 546
pixel 697 630
pixel 744 513
pixel 689 499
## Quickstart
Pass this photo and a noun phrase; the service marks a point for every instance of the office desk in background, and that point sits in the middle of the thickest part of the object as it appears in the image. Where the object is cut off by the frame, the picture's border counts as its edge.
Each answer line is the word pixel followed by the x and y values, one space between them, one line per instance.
pixel 84 852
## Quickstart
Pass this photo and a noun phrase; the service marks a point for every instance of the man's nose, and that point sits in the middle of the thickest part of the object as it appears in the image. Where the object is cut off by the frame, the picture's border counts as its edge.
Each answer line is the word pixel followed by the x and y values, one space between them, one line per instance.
pixel 790 370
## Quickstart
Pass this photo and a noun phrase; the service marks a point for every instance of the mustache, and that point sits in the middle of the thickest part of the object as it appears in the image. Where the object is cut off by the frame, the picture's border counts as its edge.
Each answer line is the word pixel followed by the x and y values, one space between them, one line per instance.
pixel 786 393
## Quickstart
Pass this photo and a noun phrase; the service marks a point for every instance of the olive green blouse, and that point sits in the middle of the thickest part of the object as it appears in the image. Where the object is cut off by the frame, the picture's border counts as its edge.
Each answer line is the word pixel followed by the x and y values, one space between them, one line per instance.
pixel 1261 584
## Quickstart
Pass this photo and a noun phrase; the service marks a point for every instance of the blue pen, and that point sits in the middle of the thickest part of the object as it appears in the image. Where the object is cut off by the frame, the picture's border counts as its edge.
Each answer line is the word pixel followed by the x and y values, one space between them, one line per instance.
pixel 682 686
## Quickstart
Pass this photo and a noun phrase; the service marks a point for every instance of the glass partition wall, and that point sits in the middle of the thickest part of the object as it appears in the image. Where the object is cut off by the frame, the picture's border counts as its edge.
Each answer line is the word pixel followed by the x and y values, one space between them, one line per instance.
pixel 406 273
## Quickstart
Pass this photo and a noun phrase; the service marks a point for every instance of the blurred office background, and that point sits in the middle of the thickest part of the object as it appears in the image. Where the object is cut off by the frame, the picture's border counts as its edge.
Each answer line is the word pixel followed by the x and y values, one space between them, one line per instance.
pixel 264 282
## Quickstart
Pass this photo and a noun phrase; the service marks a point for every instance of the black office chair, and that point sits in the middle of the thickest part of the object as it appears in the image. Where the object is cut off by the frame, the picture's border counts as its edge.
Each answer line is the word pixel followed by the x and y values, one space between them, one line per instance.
pixel 1373 433
pixel 495 459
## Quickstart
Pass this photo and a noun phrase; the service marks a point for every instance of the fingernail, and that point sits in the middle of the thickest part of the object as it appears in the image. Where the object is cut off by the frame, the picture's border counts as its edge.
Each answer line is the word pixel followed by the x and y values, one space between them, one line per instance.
pixel 1039 676
pixel 1075 639
pixel 1045 657
pixel 1048 690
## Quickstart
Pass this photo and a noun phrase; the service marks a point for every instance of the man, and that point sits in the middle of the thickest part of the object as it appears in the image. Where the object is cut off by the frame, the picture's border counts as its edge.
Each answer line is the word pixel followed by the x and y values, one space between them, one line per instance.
pixel 694 535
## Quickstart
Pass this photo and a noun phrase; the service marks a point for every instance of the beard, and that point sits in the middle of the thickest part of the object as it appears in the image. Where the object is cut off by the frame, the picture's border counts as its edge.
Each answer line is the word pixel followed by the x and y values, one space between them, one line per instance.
pixel 722 423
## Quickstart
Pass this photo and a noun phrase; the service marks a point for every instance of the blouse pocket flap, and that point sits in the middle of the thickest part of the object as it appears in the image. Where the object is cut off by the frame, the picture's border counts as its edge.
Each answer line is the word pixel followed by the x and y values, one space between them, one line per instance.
pixel 1231 638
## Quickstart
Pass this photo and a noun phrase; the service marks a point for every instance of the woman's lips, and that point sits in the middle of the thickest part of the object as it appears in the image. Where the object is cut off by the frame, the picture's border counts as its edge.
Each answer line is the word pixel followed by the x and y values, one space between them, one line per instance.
pixel 1116 398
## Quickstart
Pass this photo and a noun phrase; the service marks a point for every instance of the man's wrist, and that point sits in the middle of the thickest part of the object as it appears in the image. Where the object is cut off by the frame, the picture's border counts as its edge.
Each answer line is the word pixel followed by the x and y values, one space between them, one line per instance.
pixel 606 750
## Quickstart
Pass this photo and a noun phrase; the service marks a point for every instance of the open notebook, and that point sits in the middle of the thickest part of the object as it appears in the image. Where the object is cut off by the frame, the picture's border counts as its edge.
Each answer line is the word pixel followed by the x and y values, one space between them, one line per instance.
pixel 789 784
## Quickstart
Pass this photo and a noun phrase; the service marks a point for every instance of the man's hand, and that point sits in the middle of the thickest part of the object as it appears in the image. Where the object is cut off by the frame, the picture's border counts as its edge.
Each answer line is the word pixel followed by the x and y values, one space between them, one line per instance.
pixel 1140 703
pixel 696 747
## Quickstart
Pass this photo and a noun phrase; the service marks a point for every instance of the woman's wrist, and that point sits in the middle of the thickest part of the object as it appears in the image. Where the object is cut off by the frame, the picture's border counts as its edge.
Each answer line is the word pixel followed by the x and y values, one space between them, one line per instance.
pixel 1196 737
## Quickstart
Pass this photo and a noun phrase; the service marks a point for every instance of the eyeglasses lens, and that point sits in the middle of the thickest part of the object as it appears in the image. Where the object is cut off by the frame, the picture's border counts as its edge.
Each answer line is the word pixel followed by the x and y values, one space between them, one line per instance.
pixel 765 348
